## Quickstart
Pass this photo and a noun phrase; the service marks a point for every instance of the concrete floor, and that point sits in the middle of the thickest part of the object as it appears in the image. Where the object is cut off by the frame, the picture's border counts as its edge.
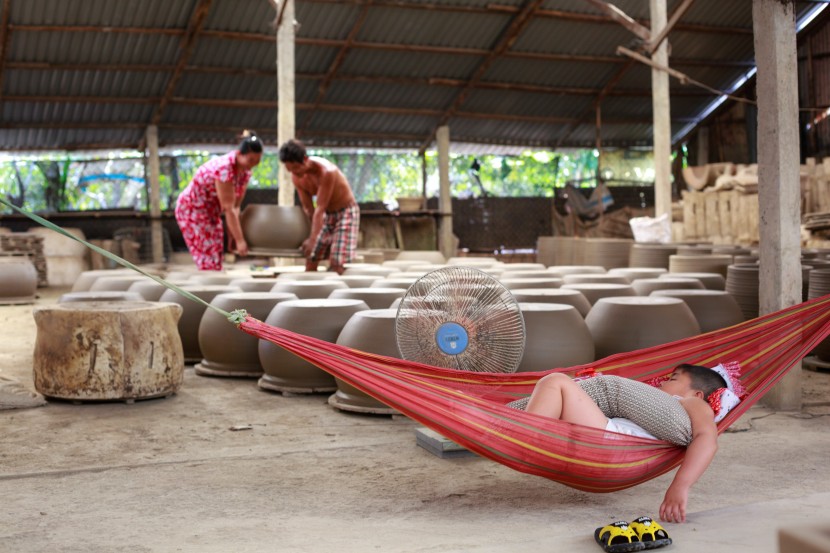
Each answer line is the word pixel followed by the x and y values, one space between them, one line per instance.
pixel 168 475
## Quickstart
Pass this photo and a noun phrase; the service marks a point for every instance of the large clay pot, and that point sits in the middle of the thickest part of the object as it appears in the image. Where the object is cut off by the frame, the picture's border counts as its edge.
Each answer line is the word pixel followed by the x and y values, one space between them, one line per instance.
pixel 192 314
pixel 269 227
pixel 597 278
pixel 375 298
pixel 308 275
pixel 632 273
pixel 227 350
pixel 556 336
pixel 118 283
pixel 212 278
pixel 519 283
pixel 529 273
pixel 372 331
pixel 250 284
pixel 423 256
pixel 713 309
pixel 100 296
pixel 319 318
pixel 404 283
pixel 309 289
pixel 151 290
pixel 514 267
pixel 622 324
pixel 87 278
pixel 359 281
pixel 562 270
pixel 18 280
pixel 711 281
pixel 594 291
pixel 554 295
pixel 119 350
pixel 645 286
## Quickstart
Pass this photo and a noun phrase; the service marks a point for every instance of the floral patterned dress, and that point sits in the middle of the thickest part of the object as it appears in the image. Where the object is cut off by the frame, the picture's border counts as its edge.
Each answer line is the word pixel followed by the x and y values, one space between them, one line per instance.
pixel 199 212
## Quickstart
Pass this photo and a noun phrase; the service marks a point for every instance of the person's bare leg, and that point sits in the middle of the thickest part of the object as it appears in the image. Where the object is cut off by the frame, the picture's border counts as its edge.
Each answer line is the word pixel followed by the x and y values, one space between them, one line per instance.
pixel 557 396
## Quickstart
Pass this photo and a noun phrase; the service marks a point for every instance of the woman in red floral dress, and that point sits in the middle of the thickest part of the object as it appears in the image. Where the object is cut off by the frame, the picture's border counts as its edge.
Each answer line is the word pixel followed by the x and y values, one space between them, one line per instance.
pixel 217 187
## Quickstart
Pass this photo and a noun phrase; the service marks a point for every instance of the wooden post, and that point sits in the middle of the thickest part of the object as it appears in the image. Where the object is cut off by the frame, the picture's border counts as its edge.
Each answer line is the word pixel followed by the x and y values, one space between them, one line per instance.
pixel 286 115
pixel 598 143
pixel 702 146
pixel 778 173
pixel 661 114
pixel 445 236
pixel 423 155
pixel 154 196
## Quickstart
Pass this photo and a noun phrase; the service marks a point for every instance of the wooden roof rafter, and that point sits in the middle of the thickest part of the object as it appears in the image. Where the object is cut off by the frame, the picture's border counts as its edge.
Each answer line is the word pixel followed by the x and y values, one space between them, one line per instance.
pixel 503 43
pixel 5 39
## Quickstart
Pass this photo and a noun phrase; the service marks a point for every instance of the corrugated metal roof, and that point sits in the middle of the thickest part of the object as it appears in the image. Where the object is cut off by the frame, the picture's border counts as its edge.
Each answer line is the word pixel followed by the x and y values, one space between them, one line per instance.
pixel 97 76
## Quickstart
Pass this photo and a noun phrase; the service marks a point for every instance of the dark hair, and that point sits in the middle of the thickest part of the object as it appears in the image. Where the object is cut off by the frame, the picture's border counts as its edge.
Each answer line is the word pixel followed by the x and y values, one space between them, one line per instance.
pixel 703 379
pixel 250 143
pixel 293 151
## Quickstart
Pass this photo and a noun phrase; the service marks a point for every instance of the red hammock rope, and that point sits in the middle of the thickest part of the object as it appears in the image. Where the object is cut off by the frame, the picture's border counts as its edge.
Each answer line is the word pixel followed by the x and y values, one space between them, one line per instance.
pixel 469 408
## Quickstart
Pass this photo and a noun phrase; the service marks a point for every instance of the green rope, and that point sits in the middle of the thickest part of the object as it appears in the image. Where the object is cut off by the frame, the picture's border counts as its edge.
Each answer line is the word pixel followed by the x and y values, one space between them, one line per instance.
pixel 236 317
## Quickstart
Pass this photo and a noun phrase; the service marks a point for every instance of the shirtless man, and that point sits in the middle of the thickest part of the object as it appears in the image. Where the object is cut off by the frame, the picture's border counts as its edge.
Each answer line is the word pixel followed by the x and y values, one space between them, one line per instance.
pixel 335 219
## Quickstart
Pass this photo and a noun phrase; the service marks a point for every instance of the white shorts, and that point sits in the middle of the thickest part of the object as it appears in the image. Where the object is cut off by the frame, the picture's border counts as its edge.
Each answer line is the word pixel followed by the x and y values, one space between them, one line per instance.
pixel 625 426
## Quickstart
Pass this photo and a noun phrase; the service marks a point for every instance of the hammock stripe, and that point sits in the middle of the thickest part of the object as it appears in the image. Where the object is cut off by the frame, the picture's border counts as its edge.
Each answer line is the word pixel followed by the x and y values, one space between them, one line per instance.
pixel 469 408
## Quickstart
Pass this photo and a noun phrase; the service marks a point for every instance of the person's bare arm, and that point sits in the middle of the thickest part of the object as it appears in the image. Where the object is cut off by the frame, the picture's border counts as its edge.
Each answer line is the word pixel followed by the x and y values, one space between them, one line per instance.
pixel 224 190
pixel 699 455
pixel 305 197
pixel 325 189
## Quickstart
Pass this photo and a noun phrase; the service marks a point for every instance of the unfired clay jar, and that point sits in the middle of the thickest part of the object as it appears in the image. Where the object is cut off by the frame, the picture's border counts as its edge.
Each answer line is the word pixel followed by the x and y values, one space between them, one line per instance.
pixel 711 281
pixel 308 275
pixel 621 324
pixel 375 298
pixel 213 278
pixel 530 273
pixel 100 296
pixel 227 350
pixel 606 278
pixel 192 314
pixel 151 290
pixel 554 295
pixel 632 273
pixel 427 256
pixel 359 281
pixel 645 286
pixel 18 280
pixel 87 278
pixel 249 284
pixel 713 309
pixel 309 289
pixel 319 318
pixel 107 350
pixel 556 336
pixel 593 291
pixel 369 270
pixel 117 283
pixel 404 283
pixel 562 270
pixel 372 331
pixel 274 227
pixel 519 283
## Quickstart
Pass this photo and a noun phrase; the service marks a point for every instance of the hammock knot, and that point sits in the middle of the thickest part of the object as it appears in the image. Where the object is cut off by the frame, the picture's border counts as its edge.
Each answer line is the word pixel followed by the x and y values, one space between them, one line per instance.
pixel 238 316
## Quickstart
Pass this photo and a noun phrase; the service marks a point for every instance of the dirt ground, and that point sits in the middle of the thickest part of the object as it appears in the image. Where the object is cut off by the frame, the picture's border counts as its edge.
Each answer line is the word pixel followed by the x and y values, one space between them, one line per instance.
pixel 167 475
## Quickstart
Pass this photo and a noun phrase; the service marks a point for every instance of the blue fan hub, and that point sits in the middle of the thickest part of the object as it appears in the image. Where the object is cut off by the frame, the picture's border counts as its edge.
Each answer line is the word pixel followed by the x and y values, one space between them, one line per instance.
pixel 452 338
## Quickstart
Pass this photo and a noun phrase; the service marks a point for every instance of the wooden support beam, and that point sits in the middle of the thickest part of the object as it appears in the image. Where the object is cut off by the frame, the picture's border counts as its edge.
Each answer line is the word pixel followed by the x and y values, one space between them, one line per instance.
pixel 619 16
pixel 154 194
pixel 186 44
pixel 5 40
pixel 655 43
pixel 286 40
pixel 504 42
pixel 337 62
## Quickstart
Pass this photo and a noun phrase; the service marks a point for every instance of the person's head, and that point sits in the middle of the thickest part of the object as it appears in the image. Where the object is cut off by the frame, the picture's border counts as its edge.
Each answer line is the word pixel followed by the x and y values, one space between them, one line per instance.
pixel 294 156
pixel 693 380
pixel 249 151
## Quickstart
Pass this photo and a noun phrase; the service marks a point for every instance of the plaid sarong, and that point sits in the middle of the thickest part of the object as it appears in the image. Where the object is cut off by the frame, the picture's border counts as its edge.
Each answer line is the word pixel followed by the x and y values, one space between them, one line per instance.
pixel 337 241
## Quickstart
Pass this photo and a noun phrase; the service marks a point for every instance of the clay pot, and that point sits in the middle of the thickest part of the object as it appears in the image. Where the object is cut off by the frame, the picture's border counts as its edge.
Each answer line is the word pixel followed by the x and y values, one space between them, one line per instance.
pixel 308 275
pixel 711 281
pixel 319 318
pixel 359 281
pixel 564 296
pixel 227 350
pixel 372 331
pixel 556 336
pixel 150 290
pixel 645 286
pixel 423 256
pixel 369 270
pixel 119 350
pixel 713 309
pixel 254 284
pixel 519 283
pixel 212 278
pixel 309 289
pixel 100 296
pixel 562 270
pixel 513 267
pixel 87 278
pixel 118 283
pixel 375 298
pixel 530 273
pixel 622 324
pixel 192 312
pixel 18 280
pixel 633 273
pixel 274 227
pixel 404 283
pixel 597 278
pixel 594 291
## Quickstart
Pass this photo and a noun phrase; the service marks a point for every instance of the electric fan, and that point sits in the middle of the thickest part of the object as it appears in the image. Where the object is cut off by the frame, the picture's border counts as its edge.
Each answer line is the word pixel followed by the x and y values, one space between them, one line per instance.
pixel 460 318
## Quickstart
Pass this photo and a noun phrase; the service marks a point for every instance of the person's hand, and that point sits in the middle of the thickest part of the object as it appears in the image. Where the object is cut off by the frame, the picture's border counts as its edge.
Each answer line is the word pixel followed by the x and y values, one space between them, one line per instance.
pixel 673 508
pixel 307 247
pixel 242 248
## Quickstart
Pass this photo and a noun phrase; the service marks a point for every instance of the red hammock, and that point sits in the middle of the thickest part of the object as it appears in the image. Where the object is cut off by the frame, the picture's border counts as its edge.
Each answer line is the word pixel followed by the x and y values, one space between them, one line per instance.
pixel 469 408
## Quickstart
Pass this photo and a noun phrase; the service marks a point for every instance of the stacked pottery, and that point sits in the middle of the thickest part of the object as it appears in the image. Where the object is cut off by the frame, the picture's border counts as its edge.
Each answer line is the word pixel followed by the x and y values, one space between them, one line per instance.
pixel 545 250
pixel 375 298
pixel 700 263
pixel 607 252
pixel 820 286
pixel 66 258
pixel 563 296
pixel 192 312
pixel 274 228
pixel 372 331
pixel 713 309
pixel 593 292
pixel 742 281
pixel 556 336
pixel 226 350
pixel 18 280
pixel 623 324
pixel 319 318
pixel 651 255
